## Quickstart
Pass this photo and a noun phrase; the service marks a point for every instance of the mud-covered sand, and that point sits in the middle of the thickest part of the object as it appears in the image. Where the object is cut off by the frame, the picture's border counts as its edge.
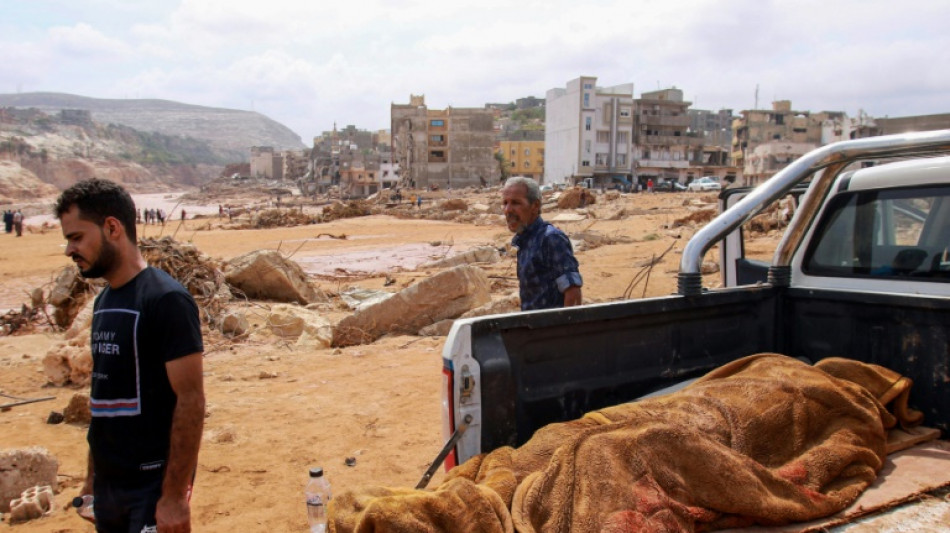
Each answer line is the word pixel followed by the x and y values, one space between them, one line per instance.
pixel 273 410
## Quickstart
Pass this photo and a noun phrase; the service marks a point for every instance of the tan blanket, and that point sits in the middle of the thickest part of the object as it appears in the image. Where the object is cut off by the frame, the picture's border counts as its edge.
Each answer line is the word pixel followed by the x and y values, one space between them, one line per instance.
pixel 764 440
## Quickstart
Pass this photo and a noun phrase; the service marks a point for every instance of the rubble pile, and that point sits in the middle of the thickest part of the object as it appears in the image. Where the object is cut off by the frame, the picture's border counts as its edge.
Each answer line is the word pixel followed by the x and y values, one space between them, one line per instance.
pixel 69 294
pixel 351 209
pixel 273 218
pixel 698 217
pixel 198 273
pixel 22 321
pixel 576 197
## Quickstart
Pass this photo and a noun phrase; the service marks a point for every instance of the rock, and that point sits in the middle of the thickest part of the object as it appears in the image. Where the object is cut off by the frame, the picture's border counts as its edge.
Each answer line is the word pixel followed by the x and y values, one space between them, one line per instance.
pixel 481 208
pixel 67 363
pixel 55 417
pixel 70 292
pixel 234 324
pixel 357 297
pixel 445 295
pixel 82 323
pixel 576 197
pixel 79 410
pixel 454 204
pixel 23 468
pixel 310 328
pixel 481 254
pixel 439 329
pixel 568 217
pixel 508 304
pixel 33 502
pixel 267 275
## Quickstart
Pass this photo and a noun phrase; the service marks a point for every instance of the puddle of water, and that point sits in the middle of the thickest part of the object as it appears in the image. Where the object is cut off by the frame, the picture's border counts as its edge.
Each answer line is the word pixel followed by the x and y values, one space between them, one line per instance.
pixel 374 261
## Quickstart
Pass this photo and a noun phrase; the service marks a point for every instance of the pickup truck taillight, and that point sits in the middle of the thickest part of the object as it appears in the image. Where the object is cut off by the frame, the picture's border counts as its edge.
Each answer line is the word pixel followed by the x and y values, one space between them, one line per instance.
pixel 448 412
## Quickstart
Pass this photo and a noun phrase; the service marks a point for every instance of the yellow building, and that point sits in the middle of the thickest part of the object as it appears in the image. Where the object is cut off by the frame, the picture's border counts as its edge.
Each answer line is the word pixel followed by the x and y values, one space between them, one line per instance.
pixel 524 158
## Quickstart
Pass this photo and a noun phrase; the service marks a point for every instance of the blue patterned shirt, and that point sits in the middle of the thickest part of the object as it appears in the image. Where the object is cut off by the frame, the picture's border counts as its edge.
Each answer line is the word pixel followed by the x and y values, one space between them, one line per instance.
pixel 546 266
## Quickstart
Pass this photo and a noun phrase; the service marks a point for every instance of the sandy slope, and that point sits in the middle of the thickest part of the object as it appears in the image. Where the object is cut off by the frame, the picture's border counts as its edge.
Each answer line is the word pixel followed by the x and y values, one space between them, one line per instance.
pixel 275 411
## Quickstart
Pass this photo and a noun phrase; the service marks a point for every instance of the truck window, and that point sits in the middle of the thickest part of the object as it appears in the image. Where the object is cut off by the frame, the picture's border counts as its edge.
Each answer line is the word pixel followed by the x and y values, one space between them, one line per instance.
pixel 884 234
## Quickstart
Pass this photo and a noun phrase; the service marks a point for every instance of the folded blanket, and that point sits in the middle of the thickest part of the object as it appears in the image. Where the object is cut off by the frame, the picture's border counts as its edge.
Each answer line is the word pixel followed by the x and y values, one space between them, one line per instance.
pixel 763 440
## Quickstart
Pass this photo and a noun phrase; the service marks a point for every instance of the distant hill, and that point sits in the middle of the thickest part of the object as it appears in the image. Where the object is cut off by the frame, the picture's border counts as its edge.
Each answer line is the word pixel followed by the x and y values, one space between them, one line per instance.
pixel 229 130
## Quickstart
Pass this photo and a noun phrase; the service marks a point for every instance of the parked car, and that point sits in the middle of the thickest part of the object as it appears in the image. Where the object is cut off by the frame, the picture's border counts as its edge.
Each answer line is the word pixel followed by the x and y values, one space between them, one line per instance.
pixel 669 186
pixel 704 184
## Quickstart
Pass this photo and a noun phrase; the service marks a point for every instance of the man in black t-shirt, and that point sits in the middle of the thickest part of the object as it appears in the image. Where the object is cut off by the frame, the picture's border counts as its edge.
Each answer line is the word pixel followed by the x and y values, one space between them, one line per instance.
pixel 147 394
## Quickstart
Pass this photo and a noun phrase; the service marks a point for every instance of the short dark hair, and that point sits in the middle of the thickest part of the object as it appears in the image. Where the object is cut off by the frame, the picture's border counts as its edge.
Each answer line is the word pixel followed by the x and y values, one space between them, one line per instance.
pixel 97 199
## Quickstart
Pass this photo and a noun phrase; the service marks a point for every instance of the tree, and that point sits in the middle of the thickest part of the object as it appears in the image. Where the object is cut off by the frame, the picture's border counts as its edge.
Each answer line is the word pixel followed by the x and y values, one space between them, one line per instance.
pixel 502 165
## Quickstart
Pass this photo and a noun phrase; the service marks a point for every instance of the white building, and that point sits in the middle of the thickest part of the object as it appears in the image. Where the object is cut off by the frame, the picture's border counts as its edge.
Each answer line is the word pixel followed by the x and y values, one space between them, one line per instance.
pixel 588 133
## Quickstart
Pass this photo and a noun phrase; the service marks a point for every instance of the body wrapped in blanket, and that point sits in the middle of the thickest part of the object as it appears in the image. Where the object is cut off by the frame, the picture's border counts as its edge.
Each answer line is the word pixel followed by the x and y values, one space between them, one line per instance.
pixel 766 440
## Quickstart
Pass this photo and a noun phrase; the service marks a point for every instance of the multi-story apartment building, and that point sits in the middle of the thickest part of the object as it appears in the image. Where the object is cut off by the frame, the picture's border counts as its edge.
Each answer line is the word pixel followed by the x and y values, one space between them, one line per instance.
pixel 523 158
pixel 588 133
pixel 296 163
pixel 445 148
pixel 789 133
pixel 714 126
pixel 266 163
pixel 666 149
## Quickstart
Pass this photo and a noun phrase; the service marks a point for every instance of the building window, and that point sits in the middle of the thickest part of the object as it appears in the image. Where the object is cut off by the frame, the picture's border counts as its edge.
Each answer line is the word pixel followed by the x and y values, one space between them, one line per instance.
pixel 622 138
pixel 588 86
pixel 514 152
pixel 600 160
pixel 586 99
pixel 585 163
pixel 587 123
pixel 527 152
pixel 625 112
pixel 527 164
pixel 621 159
pixel 512 164
pixel 437 138
pixel 603 136
pixel 587 146
pixel 437 123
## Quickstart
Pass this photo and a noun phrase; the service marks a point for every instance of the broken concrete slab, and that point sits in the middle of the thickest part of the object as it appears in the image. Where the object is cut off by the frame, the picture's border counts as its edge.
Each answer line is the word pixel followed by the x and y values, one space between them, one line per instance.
pixel 567 217
pixel 481 254
pixel 445 295
pixel 33 503
pixel 23 468
pixel 309 328
pixel 268 275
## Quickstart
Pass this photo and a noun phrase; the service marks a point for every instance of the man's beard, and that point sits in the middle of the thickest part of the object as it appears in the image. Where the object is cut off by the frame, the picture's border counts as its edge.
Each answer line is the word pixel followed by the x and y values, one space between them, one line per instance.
pixel 519 227
pixel 104 261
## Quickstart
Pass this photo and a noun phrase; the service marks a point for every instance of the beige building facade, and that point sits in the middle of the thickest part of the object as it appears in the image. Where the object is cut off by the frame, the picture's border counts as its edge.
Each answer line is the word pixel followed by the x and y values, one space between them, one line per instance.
pixel 442 148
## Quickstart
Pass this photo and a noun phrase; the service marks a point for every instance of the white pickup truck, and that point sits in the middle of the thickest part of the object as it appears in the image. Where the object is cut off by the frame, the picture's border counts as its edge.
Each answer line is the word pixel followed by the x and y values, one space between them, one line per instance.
pixel 863 269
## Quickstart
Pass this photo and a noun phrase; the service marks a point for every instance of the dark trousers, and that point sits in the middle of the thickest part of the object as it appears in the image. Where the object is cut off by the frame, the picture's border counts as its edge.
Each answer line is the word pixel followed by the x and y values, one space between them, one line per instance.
pixel 124 507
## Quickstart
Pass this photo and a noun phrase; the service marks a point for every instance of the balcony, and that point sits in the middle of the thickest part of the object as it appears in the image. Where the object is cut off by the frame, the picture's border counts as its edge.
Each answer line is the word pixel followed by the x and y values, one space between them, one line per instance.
pixel 669 140
pixel 664 120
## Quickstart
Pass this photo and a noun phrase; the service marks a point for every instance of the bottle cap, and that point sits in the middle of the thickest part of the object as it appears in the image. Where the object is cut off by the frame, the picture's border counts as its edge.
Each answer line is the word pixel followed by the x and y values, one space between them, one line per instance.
pixel 316 472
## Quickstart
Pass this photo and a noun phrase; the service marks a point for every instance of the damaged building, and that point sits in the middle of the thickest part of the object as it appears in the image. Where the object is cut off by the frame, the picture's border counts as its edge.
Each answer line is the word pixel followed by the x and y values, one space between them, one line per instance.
pixel 447 148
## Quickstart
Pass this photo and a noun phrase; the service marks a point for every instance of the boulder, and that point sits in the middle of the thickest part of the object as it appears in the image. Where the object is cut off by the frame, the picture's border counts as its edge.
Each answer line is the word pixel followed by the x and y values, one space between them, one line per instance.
pixel 445 295
pixel 68 363
pixel 481 254
pixel 23 468
pixel 308 327
pixel 267 275
pixel 234 324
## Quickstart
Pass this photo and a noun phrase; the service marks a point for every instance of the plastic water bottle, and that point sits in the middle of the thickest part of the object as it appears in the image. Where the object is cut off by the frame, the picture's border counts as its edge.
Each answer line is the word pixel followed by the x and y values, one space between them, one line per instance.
pixel 317 494
pixel 83 505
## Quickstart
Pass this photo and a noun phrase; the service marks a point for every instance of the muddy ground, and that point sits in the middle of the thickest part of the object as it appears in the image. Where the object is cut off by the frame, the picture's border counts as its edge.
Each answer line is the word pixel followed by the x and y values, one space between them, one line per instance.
pixel 274 410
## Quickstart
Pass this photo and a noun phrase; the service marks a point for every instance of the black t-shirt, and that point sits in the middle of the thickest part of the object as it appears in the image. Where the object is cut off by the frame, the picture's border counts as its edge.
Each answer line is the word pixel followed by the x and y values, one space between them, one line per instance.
pixel 136 329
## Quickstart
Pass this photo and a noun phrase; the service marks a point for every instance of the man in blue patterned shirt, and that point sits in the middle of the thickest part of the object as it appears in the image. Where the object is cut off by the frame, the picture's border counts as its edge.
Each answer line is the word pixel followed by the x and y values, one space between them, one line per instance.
pixel 547 270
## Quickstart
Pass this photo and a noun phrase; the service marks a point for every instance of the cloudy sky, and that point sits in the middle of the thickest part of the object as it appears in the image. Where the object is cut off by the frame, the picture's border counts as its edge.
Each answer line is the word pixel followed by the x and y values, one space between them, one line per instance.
pixel 308 64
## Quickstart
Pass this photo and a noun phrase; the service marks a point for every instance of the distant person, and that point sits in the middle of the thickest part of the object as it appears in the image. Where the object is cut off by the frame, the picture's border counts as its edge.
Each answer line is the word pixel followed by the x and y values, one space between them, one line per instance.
pixel 147 395
pixel 18 223
pixel 182 215
pixel 419 201
pixel 548 275
pixel 650 185
pixel 8 221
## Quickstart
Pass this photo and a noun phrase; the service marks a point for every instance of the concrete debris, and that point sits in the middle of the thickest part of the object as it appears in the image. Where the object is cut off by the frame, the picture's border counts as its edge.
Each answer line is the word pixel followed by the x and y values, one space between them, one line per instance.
pixel 696 218
pixel 274 218
pixel 309 328
pixel 357 298
pixel 33 502
pixel 70 292
pixel 567 217
pixel 69 363
pixel 481 254
pixel 338 210
pixel 444 295
pixel 267 275
pixel 234 324
pixel 23 468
